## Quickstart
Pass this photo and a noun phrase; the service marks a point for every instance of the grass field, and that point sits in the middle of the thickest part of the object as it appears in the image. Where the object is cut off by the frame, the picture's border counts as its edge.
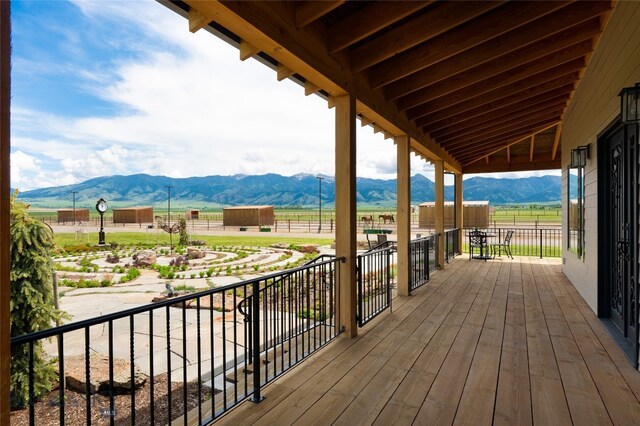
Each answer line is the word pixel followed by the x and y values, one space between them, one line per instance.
pixel 136 238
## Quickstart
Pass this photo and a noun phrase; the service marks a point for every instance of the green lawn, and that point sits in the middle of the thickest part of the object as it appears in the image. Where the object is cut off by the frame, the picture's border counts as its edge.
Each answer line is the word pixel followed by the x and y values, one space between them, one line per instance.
pixel 134 238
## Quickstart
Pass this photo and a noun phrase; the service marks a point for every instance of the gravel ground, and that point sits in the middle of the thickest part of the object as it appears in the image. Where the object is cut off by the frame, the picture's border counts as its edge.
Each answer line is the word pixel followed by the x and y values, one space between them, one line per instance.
pixel 47 410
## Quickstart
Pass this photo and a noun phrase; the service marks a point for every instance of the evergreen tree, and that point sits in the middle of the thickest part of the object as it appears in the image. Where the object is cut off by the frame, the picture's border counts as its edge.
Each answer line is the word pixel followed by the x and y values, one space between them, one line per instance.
pixel 184 234
pixel 32 303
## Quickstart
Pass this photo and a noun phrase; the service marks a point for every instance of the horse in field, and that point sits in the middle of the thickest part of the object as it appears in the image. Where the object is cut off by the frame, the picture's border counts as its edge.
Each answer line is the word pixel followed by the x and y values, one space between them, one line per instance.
pixel 386 217
pixel 367 219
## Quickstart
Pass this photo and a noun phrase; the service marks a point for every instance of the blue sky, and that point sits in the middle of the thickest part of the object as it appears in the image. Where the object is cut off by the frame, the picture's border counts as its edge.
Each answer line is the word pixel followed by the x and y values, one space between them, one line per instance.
pixel 102 88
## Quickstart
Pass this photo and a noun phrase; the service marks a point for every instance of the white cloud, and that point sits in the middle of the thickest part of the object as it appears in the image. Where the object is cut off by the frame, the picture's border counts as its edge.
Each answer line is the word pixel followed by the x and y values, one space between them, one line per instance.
pixel 22 166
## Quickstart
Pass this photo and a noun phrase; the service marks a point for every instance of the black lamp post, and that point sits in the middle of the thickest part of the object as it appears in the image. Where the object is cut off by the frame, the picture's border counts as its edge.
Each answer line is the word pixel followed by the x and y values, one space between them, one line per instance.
pixel 169 216
pixel 74 206
pixel 319 203
pixel 101 207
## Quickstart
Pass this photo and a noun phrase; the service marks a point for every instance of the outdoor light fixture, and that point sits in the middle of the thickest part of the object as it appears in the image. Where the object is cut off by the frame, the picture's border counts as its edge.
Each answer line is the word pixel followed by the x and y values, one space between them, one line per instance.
pixel 580 155
pixel 630 104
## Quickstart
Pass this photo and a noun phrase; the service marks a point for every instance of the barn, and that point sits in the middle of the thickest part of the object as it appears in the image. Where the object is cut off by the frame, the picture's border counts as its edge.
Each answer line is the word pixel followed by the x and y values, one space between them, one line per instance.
pixel 248 216
pixel 475 214
pixel 66 215
pixel 133 215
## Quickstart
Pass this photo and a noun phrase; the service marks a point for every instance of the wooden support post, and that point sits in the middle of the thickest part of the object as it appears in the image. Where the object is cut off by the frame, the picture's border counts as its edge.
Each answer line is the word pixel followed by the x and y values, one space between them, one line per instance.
pixel 346 209
pixel 404 213
pixel 5 238
pixel 459 211
pixel 439 212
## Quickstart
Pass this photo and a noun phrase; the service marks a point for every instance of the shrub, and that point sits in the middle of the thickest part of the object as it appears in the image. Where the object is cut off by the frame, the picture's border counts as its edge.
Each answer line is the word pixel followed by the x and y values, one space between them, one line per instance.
pixel 131 275
pixel 32 309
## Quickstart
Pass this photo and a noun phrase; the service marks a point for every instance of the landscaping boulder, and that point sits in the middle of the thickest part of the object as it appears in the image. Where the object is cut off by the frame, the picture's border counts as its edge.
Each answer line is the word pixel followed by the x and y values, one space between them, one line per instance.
pixel 144 258
pixel 75 375
pixel 194 253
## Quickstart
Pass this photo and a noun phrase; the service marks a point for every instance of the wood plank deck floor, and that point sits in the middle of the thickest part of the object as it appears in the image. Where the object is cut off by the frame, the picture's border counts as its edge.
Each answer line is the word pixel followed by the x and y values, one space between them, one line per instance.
pixel 497 342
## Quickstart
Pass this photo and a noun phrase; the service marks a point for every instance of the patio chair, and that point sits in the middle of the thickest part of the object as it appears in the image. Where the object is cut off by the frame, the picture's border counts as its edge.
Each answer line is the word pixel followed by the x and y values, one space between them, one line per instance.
pixel 477 239
pixel 506 245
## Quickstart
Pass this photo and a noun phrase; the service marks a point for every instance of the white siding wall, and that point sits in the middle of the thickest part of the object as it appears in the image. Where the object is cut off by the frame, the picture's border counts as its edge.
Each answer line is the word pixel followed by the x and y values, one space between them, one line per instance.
pixel 615 64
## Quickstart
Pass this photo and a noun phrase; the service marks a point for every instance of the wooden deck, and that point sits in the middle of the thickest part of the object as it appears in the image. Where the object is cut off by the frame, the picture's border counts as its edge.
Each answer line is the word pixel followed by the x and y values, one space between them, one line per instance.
pixel 497 342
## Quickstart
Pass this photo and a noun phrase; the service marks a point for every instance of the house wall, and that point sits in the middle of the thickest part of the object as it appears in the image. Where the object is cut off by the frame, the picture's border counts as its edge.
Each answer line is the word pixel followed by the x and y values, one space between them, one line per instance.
pixel 615 64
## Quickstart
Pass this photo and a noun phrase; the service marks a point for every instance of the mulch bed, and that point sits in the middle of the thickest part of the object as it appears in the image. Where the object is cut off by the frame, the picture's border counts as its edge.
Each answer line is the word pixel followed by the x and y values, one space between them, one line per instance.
pixel 47 410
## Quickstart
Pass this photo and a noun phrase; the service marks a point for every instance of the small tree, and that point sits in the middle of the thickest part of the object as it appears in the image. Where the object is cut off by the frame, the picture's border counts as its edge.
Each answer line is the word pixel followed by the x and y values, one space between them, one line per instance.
pixel 184 235
pixel 32 306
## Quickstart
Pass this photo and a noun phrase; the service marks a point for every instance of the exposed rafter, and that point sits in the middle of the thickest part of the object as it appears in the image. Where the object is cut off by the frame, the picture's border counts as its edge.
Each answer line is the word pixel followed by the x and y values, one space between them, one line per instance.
pixel 491 34
pixel 464 80
pixel 369 20
pixel 197 20
pixel 309 11
pixel 556 141
pixel 444 17
pixel 457 90
pixel 247 50
pixel 490 64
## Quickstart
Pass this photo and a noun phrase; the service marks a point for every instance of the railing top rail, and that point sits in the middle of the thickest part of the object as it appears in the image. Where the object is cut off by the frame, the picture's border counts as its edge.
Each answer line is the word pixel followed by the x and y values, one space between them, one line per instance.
pixel 54 331
pixel 377 249
pixel 391 245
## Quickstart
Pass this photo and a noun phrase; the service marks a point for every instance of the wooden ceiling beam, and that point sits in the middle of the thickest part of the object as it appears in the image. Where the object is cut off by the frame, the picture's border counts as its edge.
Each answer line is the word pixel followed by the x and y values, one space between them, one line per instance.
pixel 368 21
pixel 309 11
pixel 500 121
pixel 442 18
pixel 556 141
pixel 532 147
pixel 519 164
pixel 479 66
pixel 456 90
pixel 534 103
pixel 491 33
pixel 492 145
pixel 513 93
pixel 504 128
pixel 271 27
pixel 513 140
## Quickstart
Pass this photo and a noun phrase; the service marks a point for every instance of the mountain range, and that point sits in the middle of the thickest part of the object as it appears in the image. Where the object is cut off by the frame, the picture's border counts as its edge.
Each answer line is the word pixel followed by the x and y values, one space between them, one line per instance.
pixel 300 190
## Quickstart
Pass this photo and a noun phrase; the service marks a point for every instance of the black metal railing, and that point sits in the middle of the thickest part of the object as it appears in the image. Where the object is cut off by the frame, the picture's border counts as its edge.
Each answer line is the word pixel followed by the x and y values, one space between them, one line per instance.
pixel 201 353
pixel 525 241
pixel 375 278
pixel 422 258
pixel 451 248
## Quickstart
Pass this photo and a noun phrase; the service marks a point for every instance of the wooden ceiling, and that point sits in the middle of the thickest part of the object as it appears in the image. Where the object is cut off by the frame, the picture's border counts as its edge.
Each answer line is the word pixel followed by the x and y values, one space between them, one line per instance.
pixel 480 85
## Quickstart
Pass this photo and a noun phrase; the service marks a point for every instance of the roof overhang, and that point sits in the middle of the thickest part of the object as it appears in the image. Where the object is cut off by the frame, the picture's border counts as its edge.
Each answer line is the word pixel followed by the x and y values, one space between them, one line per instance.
pixel 481 85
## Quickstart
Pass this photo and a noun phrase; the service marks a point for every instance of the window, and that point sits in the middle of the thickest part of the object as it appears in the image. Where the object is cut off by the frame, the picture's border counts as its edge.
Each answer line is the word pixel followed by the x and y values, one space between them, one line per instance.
pixel 575 224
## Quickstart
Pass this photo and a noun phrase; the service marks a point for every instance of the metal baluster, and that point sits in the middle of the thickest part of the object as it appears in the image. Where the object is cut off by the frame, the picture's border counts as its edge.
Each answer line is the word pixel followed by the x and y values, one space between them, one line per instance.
pixel 256 343
pixel 87 371
pixel 199 348
pixel 132 371
pixel 112 408
pixel 212 356
pixel 184 362
pixel 152 395
pixel 168 328
pixel 61 378
pixel 32 398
